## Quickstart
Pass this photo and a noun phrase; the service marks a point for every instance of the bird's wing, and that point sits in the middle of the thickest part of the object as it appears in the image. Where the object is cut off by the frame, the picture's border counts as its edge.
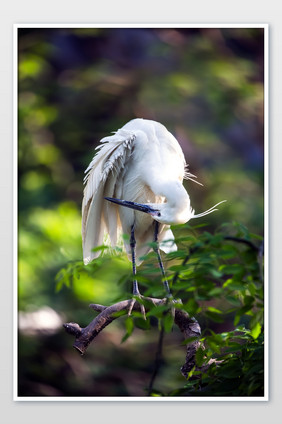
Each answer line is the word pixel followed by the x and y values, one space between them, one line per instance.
pixel 100 181
pixel 166 239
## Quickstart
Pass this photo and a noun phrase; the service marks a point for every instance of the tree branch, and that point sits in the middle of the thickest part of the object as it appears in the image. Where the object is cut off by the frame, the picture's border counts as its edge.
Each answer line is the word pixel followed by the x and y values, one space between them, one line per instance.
pixel 107 314
pixel 244 241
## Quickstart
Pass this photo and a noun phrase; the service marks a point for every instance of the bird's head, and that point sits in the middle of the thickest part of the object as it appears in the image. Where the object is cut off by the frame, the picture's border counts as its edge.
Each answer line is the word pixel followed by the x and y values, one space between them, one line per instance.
pixel 163 212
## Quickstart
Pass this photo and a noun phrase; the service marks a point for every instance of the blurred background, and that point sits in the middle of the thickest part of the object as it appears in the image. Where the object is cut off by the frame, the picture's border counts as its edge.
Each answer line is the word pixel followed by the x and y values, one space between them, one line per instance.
pixel 75 86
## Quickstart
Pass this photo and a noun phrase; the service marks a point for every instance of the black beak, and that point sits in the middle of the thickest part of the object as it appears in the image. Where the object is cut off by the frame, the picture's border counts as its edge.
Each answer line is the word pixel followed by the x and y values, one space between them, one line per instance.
pixel 132 205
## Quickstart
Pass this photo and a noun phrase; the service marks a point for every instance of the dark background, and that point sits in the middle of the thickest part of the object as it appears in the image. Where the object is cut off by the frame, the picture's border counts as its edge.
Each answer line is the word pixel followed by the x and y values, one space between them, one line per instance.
pixel 75 87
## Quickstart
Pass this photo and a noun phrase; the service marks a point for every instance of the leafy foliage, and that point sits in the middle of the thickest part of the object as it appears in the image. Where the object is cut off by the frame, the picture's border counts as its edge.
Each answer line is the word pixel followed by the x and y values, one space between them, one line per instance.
pixel 239 371
pixel 219 279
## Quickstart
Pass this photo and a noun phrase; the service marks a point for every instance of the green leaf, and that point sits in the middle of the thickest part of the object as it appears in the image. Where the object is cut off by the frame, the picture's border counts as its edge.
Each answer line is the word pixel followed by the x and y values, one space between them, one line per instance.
pixel 129 325
pixel 214 346
pixel 191 307
pixel 168 322
pixel 199 357
pixel 179 254
pixel 215 310
pixel 234 285
pixel 157 311
pixel 216 291
pixel 142 323
pixel 231 269
pixel 233 300
pixel 100 248
pixel 256 330
pixel 252 288
pixel 249 300
pixel 215 273
pixel 214 316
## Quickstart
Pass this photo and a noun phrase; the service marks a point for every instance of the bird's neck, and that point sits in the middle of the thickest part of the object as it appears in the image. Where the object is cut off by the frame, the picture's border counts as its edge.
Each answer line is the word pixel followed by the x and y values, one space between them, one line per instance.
pixel 177 201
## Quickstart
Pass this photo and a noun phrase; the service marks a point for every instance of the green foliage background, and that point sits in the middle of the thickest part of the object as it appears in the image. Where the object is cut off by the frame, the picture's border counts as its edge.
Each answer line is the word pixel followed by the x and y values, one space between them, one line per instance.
pixel 74 87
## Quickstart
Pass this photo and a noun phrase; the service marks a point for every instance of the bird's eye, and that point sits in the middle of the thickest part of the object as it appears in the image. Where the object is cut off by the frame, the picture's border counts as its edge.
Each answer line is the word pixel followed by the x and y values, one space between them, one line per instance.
pixel 159 214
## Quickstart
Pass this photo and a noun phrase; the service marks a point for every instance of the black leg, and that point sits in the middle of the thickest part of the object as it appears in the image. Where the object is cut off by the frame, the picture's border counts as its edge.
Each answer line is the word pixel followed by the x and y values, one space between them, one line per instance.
pixel 157 250
pixel 135 284
pixel 132 245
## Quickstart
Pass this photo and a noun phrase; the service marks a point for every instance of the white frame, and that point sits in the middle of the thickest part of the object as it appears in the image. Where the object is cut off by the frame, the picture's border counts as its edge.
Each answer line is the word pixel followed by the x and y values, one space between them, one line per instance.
pixel 266 220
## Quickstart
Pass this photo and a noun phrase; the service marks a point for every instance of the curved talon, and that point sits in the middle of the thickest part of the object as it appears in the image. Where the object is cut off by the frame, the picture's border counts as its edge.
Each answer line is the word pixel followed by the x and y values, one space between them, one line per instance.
pixel 142 308
pixel 172 309
pixel 131 306
pixel 171 302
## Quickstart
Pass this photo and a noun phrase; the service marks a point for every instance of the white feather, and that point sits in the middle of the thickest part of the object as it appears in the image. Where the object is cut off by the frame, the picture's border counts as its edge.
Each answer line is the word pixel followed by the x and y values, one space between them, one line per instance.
pixel 142 162
pixel 110 175
pixel 98 216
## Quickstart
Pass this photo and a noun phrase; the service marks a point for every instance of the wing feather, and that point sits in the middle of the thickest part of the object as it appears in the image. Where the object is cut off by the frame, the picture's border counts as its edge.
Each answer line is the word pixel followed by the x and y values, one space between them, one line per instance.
pixel 100 181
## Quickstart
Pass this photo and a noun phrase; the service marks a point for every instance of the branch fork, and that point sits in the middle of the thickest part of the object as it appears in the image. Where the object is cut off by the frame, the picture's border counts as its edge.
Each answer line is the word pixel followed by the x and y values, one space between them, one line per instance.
pixel 107 314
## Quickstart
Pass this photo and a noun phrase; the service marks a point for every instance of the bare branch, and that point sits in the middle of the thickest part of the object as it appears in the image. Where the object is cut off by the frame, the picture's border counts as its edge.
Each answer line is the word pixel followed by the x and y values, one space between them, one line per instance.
pixel 244 241
pixel 105 317
pixel 107 314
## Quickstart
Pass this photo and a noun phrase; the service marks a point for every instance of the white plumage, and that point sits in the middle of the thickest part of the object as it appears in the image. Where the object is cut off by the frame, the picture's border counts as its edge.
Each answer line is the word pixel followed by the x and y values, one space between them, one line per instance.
pixel 143 163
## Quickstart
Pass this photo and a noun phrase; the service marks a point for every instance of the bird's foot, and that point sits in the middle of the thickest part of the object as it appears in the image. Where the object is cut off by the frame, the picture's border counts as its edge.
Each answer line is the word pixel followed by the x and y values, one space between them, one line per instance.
pixel 132 303
pixel 171 302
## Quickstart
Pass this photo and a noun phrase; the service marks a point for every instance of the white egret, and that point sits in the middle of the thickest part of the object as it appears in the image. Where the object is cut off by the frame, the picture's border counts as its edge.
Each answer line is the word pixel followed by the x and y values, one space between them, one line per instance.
pixel 134 186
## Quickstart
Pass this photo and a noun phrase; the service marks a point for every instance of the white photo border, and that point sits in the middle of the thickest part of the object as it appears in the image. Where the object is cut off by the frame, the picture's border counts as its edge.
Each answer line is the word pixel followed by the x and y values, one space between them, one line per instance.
pixel 15 218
